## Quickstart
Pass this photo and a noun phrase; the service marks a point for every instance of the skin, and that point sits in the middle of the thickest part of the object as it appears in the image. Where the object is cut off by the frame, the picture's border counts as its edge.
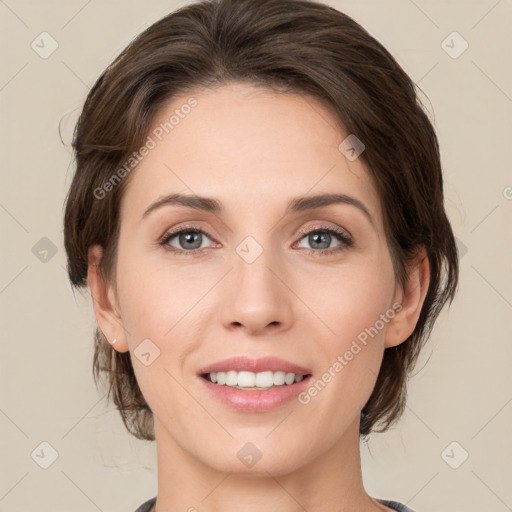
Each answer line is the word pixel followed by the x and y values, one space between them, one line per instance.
pixel 254 150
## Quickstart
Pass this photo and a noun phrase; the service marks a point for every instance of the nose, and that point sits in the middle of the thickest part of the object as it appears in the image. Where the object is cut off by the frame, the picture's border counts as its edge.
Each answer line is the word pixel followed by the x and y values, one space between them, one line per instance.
pixel 256 297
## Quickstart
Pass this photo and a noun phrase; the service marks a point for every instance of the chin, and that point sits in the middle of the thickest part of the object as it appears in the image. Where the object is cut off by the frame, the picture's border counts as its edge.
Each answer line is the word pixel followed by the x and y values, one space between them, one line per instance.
pixel 253 456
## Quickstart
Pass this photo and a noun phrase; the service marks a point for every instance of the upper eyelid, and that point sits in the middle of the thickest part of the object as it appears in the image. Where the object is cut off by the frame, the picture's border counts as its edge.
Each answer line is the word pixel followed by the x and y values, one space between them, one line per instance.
pixel 324 228
pixel 193 227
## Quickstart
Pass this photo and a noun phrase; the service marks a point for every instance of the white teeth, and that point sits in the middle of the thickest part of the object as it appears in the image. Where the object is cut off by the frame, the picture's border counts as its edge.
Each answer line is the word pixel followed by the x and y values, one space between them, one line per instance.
pixel 262 380
pixel 279 378
pixel 231 378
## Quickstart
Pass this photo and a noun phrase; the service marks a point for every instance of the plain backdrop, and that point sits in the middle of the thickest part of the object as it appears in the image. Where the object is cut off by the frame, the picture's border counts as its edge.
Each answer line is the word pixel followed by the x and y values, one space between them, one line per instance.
pixel 451 450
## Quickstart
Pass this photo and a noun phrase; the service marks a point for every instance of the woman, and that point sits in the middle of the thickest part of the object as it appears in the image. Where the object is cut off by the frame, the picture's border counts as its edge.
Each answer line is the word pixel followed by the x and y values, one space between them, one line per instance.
pixel 258 212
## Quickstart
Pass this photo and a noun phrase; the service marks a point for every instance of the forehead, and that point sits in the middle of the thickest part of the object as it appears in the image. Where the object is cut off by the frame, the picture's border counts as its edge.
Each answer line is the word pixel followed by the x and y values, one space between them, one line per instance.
pixel 246 145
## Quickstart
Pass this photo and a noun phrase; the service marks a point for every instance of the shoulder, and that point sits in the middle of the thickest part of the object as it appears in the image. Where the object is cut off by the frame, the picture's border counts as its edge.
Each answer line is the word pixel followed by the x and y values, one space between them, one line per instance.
pixel 395 505
pixel 147 505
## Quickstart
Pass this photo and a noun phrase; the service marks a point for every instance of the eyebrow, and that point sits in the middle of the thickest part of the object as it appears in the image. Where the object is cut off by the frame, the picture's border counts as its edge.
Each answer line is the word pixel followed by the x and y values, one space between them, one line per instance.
pixel 297 204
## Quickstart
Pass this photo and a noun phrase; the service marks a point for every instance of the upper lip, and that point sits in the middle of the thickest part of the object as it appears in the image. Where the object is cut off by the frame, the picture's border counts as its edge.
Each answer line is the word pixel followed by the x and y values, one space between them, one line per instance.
pixel 244 363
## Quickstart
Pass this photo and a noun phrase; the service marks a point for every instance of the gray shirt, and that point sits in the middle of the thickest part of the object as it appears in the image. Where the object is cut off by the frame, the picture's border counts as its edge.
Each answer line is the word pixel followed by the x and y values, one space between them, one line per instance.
pixel 395 505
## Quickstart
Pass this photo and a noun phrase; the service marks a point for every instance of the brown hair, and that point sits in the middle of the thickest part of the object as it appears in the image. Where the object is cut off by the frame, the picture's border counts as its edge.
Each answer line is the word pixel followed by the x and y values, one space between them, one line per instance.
pixel 296 46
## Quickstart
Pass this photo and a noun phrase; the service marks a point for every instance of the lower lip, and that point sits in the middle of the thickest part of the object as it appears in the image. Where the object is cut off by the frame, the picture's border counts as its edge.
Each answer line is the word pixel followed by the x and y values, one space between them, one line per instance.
pixel 256 401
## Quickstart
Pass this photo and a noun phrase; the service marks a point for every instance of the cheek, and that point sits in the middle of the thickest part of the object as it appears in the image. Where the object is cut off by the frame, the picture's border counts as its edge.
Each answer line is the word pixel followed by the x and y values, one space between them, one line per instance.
pixel 154 298
pixel 352 308
pixel 161 305
pixel 352 299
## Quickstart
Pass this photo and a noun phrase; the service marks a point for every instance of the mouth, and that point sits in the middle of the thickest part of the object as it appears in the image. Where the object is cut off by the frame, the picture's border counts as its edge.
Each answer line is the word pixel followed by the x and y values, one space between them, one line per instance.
pixel 251 381
pixel 255 385
pixel 247 364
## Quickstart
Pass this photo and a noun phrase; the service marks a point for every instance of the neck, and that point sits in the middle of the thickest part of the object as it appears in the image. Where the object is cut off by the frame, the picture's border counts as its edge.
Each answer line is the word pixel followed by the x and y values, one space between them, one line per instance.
pixel 330 482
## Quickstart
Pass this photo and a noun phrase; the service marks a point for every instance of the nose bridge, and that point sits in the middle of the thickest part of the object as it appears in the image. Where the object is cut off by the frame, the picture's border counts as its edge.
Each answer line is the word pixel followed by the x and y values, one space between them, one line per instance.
pixel 253 262
pixel 257 296
pixel 252 267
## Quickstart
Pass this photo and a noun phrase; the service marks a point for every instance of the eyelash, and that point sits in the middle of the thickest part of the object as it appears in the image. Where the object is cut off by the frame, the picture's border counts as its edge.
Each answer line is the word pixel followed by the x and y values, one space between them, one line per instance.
pixel 346 241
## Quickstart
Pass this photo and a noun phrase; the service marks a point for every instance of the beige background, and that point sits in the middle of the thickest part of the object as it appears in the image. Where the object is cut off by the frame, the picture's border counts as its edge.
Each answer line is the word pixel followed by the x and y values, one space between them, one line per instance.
pixel 462 388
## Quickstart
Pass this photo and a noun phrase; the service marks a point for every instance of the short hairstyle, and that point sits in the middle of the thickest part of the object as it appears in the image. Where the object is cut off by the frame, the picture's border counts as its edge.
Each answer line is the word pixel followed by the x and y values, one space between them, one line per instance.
pixel 296 46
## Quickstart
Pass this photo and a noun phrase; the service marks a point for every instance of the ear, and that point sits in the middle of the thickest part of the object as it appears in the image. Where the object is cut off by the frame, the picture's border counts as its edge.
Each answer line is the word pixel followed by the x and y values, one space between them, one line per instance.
pixel 411 298
pixel 105 302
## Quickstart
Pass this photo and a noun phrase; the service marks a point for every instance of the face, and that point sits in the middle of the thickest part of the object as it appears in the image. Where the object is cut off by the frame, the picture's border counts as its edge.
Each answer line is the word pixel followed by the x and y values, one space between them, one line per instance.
pixel 255 278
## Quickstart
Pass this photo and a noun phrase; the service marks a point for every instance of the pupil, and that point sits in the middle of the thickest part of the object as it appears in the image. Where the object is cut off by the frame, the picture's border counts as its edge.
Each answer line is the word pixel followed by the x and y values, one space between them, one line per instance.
pixel 324 244
pixel 191 237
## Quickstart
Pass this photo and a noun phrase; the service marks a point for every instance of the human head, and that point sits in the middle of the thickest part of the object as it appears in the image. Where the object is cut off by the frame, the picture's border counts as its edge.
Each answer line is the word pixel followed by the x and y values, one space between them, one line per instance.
pixel 288 46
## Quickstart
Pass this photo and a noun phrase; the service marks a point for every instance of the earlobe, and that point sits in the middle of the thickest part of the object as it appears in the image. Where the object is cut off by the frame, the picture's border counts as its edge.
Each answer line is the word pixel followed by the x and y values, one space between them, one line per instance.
pixel 411 298
pixel 104 302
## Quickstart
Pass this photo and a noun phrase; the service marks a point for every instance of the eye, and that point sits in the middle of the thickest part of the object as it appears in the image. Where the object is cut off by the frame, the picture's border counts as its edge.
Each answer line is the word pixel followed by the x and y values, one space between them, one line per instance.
pixel 189 239
pixel 321 238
